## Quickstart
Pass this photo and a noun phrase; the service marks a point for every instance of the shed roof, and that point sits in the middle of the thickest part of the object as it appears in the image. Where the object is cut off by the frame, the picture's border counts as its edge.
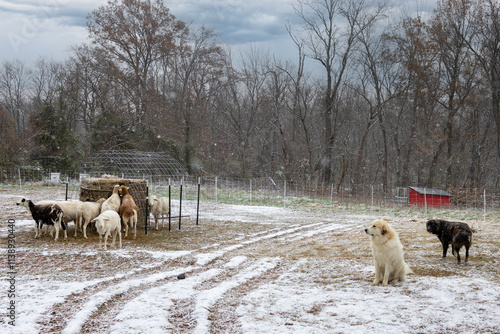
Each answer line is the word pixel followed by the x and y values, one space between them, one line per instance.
pixel 430 191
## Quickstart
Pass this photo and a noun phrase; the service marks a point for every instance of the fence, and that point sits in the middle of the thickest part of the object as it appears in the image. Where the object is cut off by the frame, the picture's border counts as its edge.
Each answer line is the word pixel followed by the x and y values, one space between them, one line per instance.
pixel 264 191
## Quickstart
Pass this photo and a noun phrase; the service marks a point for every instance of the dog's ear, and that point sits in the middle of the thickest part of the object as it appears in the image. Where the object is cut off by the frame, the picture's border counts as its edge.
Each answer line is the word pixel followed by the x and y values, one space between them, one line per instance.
pixel 384 230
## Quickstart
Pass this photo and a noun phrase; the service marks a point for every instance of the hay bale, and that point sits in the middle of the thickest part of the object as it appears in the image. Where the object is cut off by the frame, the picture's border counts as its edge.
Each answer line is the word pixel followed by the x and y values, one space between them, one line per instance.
pixel 92 189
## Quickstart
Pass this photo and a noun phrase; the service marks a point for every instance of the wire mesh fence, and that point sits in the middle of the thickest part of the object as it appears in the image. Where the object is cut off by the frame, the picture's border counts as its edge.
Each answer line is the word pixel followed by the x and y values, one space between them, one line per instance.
pixel 263 191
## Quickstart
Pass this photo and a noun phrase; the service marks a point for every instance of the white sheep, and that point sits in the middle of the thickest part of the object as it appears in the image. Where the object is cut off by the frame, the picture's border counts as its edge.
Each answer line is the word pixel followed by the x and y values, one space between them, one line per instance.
pixel 158 207
pixel 113 202
pixel 108 223
pixel 69 208
pixel 86 212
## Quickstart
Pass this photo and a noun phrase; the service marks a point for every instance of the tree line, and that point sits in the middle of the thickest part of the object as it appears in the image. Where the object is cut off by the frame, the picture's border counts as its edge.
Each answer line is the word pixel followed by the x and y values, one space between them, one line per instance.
pixel 398 100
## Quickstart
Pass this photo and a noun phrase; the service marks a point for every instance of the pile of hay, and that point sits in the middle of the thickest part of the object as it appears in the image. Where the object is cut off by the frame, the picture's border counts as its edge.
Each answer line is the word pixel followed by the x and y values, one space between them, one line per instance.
pixel 92 189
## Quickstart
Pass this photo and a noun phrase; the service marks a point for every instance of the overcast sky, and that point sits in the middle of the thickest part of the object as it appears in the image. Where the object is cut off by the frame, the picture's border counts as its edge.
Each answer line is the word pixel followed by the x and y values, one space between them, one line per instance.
pixel 48 28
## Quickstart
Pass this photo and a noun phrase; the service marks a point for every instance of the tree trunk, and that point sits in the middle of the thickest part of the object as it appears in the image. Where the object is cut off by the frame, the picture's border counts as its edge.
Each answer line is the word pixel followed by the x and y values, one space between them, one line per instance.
pixel 434 164
pixel 385 159
pixel 360 154
pixel 326 161
pixel 495 107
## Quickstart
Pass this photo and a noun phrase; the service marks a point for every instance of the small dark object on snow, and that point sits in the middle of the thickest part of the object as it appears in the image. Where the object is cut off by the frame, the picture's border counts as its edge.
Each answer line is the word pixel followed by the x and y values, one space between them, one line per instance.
pixel 181 276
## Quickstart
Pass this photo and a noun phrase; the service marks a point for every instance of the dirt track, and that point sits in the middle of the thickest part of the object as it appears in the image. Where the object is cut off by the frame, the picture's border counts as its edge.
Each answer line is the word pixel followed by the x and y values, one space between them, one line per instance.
pixel 232 256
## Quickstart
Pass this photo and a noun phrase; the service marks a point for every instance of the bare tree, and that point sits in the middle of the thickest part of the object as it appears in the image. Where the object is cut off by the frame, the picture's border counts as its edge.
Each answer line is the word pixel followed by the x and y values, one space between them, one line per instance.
pixel 451 27
pixel 195 69
pixel 45 78
pixel 301 106
pixel 14 84
pixel 330 30
pixel 240 104
pixel 378 85
pixel 414 53
pixel 486 47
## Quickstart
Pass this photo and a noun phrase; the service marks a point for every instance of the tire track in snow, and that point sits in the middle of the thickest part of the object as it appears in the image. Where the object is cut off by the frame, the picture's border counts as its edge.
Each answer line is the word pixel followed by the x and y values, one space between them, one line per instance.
pixel 98 299
pixel 75 324
pixel 90 308
pixel 71 290
pixel 322 231
pixel 206 299
pixel 154 305
pixel 158 306
pixel 157 301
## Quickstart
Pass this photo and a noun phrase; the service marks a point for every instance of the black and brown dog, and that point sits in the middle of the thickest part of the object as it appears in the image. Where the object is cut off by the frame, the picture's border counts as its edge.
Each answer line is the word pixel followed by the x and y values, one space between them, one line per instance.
pixel 456 233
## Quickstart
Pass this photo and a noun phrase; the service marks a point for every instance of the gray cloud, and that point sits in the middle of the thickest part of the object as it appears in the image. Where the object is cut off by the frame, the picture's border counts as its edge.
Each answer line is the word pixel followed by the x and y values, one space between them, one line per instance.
pixel 67 12
pixel 237 21
pixel 33 28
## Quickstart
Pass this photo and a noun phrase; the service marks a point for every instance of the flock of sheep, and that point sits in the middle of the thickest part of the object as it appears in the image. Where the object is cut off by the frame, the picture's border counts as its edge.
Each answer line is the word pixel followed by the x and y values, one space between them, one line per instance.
pixel 109 215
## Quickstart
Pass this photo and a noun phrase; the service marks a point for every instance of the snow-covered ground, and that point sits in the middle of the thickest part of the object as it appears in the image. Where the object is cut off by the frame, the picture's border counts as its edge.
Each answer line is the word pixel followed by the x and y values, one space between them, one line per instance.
pixel 248 270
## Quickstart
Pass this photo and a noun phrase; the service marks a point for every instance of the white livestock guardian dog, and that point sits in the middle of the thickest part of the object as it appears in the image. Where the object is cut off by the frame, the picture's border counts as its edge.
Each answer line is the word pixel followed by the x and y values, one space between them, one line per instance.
pixel 387 252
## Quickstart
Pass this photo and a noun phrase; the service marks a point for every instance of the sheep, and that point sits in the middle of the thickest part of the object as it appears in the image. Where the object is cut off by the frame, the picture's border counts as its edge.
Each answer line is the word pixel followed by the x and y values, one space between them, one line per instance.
pixel 69 208
pixel 158 208
pixel 113 202
pixel 49 214
pixel 128 211
pixel 108 223
pixel 86 212
pixel 24 202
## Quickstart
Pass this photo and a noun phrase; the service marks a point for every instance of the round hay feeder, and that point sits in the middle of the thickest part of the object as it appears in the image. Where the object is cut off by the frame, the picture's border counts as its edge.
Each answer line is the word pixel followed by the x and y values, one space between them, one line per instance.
pixel 92 189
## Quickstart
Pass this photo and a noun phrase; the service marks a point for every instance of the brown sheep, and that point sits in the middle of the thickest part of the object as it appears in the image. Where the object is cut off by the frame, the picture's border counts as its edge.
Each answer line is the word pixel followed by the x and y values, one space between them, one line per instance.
pixel 128 211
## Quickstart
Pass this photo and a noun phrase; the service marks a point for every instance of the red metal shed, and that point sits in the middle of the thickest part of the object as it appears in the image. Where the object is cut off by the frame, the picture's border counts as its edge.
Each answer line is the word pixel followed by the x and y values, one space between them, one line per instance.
pixel 430 197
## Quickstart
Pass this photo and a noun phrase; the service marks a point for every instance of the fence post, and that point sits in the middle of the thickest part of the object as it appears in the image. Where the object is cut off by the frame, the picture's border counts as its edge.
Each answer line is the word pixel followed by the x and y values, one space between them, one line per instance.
pixel 250 191
pixel 216 190
pixel 484 204
pixel 331 196
pixel 169 207
pixel 66 190
pixel 372 197
pixel 284 194
pixel 147 213
pixel 425 200
pixel 180 204
pixel 198 203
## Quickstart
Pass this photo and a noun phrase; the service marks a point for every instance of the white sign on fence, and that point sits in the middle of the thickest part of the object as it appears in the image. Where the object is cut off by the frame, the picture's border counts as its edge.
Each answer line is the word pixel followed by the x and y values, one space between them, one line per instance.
pixel 55 177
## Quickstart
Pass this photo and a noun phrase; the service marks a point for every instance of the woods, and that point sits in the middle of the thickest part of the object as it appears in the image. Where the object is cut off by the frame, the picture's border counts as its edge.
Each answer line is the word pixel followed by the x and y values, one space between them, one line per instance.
pixel 398 100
